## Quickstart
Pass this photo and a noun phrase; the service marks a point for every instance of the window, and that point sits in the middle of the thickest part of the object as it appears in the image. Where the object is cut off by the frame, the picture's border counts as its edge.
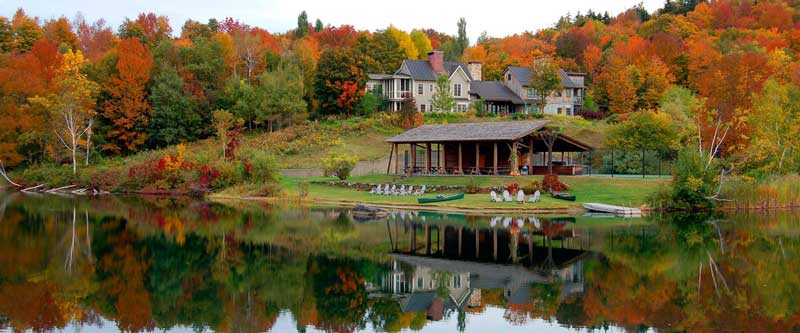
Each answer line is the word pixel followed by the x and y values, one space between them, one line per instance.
pixel 431 88
pixel 508 77
pixel 461 107
pixel 370 87
pixel 569 111
pixel 422 107
pixel 531 93
pixel 420 283
pixel 560 110
pixel 420 89
pixel 457 89
pixel 569 93
pixel 457 281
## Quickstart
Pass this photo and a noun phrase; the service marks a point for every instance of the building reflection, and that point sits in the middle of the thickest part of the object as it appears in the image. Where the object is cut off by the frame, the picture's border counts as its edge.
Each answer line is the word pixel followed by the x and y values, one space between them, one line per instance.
pixel 444 264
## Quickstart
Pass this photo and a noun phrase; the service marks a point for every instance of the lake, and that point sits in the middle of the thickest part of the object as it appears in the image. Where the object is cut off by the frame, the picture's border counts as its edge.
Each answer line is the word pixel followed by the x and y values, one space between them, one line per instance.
pixel 133 264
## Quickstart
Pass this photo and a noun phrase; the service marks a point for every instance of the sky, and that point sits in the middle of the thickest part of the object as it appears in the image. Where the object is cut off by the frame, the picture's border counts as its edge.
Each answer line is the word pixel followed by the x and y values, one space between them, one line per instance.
pixel 497 18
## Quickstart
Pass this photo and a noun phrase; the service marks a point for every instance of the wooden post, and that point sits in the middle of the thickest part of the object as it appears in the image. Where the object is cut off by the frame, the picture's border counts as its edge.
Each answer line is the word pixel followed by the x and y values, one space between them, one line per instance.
pixel 460 161
pixel 494 164
pixel 460 229
pixel 413 158
pixel 443 157
pixel 397 159
pixel 427 239
pixel 443 231
pixel 391 154
pixel 478 158
pixel 428 158
pixel 477 243
pixel 530 156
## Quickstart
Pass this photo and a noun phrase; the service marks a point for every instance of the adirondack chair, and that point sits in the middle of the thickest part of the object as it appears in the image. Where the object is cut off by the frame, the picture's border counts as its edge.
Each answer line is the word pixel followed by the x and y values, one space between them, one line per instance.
pixel 393 191
pixel 520 197
pixel 376 190
pixel 506 222
pixel 410 190
pixel 535 221
pixel 507 196
pixel 421 191
pixel 493 221
pixel 494 197
pixel 520 222
pixel 535 197
pixel 402 190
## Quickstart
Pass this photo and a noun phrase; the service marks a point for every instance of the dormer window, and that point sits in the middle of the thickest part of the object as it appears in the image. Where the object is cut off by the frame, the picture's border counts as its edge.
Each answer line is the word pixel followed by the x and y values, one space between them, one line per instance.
pixel 508 77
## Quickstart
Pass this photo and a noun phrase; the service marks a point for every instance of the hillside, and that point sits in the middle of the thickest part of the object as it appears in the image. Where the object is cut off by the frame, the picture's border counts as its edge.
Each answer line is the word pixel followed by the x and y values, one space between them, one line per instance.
pixel 298 146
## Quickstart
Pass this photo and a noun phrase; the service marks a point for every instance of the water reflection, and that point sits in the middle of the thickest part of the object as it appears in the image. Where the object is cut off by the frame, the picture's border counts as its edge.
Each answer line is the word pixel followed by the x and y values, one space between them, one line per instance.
pixel 175 264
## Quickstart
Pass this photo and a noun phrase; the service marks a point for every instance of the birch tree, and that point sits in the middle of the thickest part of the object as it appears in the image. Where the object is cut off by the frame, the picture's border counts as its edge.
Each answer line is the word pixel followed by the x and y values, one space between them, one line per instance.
pixel 775 121
pixel 71 106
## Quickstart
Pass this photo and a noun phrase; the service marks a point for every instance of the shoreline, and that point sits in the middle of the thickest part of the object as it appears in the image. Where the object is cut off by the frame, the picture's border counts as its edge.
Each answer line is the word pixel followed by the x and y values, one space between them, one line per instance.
pixel 405 206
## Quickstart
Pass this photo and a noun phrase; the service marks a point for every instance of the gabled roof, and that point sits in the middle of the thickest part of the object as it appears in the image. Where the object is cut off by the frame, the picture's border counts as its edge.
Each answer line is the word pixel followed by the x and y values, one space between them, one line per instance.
pixel 523 74
pixel 488 131
pixel 422 70
pixel 494 91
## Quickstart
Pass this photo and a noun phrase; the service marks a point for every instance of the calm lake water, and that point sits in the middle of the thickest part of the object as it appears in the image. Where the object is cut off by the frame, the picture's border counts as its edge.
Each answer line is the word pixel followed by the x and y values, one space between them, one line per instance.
pixel 136 264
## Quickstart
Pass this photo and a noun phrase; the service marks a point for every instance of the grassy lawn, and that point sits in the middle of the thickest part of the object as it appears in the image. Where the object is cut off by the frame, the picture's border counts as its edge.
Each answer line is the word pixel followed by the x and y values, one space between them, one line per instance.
pixel 628 192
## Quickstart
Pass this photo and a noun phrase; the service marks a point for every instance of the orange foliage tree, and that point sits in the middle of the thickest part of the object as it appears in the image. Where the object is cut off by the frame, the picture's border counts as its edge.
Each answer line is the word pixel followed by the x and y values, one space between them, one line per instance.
pixel 128 109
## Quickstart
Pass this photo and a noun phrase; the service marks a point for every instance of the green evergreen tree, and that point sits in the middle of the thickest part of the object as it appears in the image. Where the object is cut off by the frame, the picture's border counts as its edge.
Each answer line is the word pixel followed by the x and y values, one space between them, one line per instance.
pixel 302 25
pixel 174 118
pixel 442 99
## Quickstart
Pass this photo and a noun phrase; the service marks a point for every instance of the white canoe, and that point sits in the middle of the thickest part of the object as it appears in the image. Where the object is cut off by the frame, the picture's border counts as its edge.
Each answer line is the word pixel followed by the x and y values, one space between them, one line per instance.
pixel 611 209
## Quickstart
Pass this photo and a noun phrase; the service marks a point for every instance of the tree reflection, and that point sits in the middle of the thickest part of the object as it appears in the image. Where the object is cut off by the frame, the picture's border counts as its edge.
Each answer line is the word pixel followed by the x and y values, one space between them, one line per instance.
pixel 147 263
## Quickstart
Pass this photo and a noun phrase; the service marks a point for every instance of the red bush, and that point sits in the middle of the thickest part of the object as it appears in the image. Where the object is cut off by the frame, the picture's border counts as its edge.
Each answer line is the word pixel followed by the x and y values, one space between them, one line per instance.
pixel 551 184
pixel 512 188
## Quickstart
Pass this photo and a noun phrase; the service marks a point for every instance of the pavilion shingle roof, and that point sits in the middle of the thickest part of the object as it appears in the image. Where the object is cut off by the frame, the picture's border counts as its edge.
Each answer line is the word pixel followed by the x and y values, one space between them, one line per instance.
pixel 488 131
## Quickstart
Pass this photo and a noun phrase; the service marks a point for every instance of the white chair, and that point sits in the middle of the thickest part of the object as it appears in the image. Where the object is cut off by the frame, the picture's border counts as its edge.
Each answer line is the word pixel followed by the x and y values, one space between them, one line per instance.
pixel 535 197
pixel 421 191
pixel 393 191
pixel 535 221
pixel 506 222
pixel 493 221
pixel 410 190
pixel 376 190
pixel 402 190
pixel 507 196
pixel 520 197
pixel 521 222
pixel 493 194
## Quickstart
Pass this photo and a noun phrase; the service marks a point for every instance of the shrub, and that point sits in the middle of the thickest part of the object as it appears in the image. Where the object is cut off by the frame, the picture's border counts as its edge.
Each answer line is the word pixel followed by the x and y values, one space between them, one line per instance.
pixel 552 184
pixel 262 165
pixel 302 189
pixel 693 181
pixel 472 187
pixel 338 165
pixel 532 187
pixel 512 188
pixel 230 174
pixel 523 116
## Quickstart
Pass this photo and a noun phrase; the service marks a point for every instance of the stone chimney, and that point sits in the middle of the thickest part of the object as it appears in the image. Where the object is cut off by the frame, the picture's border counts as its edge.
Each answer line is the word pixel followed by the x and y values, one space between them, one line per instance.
pixel 436 59
pixel 475 70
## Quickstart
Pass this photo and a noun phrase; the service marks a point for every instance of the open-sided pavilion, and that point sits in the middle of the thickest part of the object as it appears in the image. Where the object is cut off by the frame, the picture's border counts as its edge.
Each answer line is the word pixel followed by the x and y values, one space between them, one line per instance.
pixel 483 149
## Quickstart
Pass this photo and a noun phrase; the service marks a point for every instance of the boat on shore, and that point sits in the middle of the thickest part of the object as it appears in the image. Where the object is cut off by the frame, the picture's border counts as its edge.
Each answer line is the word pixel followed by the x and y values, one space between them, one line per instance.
pixel 564 196
pixel 612 209
pixel 441 198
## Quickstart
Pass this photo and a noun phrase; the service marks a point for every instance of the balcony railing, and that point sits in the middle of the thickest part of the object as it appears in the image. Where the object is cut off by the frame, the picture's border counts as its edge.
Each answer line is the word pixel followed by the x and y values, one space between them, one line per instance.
pixel 397 94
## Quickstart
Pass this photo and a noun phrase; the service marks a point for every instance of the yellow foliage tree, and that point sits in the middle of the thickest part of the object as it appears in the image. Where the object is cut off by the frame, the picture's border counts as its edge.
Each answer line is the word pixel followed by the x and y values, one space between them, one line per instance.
pixel 405 42
pixel 71 105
